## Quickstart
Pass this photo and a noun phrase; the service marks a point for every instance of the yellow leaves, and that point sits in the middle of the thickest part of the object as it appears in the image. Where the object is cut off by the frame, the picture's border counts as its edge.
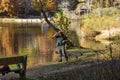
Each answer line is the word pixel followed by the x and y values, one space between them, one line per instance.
pixel 45 4
pixel 51 5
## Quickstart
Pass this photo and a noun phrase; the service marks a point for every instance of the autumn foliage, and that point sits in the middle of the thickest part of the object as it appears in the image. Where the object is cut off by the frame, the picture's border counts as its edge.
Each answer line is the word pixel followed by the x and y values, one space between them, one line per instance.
pixel 51 5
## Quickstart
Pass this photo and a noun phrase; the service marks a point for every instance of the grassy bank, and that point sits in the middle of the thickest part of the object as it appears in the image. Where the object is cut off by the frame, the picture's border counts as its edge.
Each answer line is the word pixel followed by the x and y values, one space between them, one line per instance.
pixel 107 70
pixel 104 71
pixel 100 19
pixel 92 65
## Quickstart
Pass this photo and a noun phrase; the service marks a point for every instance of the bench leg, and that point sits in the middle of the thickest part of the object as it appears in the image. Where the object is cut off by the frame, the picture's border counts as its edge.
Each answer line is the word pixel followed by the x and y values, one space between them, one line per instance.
pixel 22 76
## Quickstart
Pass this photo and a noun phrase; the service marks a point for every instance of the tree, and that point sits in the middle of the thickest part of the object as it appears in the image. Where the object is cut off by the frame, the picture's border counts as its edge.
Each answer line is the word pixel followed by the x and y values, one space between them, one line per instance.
pixel 14 7
pixel 103 3
pixel 63 21
pixel 45 5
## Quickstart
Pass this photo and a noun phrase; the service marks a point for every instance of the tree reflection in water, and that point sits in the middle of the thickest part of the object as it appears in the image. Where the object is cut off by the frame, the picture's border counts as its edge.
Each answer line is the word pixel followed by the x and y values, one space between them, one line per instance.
pixel 17 39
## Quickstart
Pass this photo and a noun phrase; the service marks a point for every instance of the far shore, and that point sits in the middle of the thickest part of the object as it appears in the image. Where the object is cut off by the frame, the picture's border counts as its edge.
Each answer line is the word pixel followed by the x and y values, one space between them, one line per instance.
pixel 21 20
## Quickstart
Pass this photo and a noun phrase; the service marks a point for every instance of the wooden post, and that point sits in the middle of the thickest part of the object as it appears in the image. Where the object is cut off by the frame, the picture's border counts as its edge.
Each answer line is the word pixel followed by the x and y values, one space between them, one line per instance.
pixel 23 72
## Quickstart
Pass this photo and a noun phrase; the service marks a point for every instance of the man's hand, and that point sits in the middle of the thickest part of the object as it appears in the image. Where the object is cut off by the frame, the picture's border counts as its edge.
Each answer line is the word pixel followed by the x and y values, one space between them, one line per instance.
pixel 54 35
pixel 64 41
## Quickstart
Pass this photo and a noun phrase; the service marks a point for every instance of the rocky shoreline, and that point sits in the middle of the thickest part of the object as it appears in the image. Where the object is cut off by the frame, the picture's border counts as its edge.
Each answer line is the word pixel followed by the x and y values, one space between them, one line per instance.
pixel 105 34
pixel 101 34
pixel 15 20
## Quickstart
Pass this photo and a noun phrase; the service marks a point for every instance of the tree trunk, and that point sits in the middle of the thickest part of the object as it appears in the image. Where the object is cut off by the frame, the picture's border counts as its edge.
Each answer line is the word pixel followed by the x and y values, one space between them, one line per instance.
pixel 46 19
pixel 50 24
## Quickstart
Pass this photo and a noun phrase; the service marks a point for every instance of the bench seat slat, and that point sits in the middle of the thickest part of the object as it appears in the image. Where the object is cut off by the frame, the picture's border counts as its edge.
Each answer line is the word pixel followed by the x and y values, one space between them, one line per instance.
pixel 11 60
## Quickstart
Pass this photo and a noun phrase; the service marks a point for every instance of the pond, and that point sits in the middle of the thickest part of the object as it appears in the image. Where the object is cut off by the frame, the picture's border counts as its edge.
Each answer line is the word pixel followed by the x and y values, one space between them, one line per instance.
pixel 30 39
pixel 35 41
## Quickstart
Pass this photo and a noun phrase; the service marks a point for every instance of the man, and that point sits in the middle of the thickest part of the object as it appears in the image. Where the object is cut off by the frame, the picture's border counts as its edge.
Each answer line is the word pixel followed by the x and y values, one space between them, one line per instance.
pixel 60 43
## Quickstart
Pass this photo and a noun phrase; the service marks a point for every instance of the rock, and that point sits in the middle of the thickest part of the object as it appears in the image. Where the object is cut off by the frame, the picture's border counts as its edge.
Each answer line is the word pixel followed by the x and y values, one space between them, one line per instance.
pixel 105 34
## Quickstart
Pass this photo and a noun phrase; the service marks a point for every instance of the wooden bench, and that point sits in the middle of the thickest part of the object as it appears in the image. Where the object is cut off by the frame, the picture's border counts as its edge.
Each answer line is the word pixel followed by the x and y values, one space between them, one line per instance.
pixel 20 61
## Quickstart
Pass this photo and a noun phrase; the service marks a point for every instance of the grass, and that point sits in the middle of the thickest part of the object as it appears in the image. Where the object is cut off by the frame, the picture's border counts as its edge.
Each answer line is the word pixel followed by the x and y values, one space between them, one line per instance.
pixel 107 70
pixel 109 18
pixel 79 49
pixel 19 79
pixel 95 72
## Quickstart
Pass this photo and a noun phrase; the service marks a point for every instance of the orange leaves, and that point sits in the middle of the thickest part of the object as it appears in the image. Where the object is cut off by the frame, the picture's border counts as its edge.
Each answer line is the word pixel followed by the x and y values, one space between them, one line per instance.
pixel 51 5
pixel 48 4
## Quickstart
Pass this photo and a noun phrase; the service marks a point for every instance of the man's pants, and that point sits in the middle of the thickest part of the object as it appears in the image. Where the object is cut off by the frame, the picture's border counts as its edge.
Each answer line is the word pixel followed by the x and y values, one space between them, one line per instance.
pixel 62 52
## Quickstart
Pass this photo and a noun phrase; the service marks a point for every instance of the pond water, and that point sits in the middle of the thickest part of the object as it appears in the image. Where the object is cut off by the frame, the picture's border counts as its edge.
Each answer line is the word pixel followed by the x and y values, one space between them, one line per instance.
pixel 35 41
pixel 30 39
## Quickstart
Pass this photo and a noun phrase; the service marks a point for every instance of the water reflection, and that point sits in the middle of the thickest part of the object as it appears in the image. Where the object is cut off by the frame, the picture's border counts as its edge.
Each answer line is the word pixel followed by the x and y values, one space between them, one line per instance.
pixel 93 44
pixel 33 40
